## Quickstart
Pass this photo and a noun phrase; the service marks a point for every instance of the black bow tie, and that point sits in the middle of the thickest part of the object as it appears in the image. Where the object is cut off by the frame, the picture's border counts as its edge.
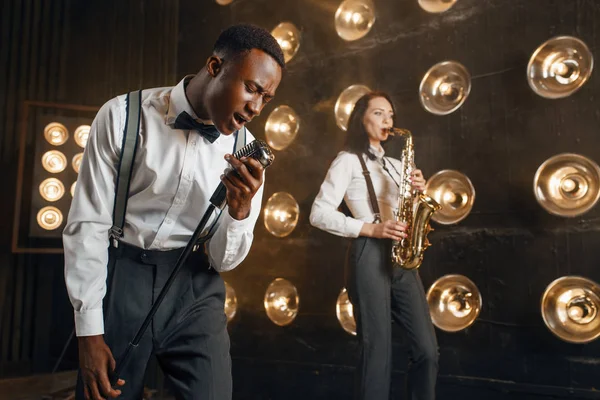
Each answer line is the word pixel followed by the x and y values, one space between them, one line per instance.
pixel 185 121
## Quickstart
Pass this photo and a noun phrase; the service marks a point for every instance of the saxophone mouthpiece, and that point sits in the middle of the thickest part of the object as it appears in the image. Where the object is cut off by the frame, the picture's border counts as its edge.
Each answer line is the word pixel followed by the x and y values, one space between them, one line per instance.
pixel 398 131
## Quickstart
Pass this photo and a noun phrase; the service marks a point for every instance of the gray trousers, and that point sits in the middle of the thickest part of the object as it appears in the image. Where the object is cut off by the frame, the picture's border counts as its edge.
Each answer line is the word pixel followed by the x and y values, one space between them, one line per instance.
pixel 380 293
pixel 188 334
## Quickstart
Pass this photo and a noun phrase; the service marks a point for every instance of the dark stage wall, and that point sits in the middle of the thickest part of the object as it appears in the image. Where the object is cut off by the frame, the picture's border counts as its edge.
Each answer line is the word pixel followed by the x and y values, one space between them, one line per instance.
pixel 509 246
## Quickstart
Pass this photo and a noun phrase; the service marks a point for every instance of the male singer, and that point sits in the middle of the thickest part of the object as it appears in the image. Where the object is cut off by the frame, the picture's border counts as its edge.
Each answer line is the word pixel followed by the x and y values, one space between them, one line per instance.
pixel 186 135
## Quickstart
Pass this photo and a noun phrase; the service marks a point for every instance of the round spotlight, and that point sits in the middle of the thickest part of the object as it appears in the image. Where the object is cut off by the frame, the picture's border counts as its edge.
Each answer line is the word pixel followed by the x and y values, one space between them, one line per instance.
pixel 230 302
pixel 224 2
pixel 454 192
pixel 345 312
pixel 567 185
pixel 570 309
pixel 436 6
pixel 76 162
pixel 445 87
pixel 73 189
pixel 288 37
pixel 454 302
pixel 281 214
pixel 52 189
pixel 56 134
pixel 82 133
pixel 345 103
pixel 54 161
pixel 281 302
pixel 559 67
pixel 49 218
pixel 354 19
pixel 281 127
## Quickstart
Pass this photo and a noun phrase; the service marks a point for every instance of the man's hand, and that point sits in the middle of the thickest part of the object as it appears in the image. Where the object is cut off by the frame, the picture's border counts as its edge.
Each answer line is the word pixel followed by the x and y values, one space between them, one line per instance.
pixel 95 361
pixel 386 230
pixel 242 183
pixel 417 180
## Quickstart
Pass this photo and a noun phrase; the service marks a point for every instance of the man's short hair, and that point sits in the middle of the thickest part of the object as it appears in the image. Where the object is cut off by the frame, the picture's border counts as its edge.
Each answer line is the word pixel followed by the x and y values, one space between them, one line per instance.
pixel 242 38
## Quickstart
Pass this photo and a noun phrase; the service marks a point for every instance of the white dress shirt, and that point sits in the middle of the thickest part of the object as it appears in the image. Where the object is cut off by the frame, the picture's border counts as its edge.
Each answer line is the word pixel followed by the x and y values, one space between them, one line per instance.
pixel 345 180
pixel 174 175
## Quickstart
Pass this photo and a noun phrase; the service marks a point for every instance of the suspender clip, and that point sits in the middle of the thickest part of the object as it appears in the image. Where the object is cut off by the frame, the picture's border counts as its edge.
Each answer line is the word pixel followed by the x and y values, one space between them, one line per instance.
pixel 115 234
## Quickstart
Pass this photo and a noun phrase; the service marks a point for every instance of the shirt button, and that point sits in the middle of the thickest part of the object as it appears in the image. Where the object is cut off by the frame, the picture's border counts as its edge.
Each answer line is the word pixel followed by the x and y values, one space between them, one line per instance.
pixel 144 256
pixel 168 221
pixel 193 142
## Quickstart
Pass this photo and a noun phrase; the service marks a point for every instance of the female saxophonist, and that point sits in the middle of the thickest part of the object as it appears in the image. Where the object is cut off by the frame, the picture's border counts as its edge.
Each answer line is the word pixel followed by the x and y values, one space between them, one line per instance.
pixel 378 292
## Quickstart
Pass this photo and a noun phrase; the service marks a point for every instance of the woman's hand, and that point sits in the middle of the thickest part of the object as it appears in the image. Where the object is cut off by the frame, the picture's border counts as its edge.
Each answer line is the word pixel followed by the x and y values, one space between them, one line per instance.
pixel 386 230
pixel 417 180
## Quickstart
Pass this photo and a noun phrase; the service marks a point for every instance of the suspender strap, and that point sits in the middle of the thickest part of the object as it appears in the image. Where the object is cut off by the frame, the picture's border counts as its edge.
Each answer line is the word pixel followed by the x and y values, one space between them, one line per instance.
pixel 372 196
pixel 128 150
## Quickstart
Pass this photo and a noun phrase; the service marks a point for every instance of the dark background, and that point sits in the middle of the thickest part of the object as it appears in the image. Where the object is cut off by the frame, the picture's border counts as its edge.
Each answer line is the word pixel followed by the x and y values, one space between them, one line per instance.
pixel 66 51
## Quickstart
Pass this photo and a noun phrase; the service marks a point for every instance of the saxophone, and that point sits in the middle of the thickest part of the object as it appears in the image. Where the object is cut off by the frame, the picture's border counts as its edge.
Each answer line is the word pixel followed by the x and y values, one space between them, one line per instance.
pixel 408 253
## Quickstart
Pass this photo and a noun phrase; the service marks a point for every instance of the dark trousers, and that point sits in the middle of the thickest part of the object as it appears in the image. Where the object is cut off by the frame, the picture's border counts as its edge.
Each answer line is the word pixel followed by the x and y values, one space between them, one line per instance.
pixel 379 293
pixel 188 334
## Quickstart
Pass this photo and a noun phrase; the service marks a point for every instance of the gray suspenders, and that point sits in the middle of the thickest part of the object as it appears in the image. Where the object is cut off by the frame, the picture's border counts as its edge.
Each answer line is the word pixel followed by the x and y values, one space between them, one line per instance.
pixel 128 149
pixel 371 190
pixel 125 170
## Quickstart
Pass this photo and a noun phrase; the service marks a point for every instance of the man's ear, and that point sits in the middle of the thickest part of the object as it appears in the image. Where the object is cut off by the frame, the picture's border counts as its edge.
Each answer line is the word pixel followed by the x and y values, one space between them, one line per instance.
pixel 214 65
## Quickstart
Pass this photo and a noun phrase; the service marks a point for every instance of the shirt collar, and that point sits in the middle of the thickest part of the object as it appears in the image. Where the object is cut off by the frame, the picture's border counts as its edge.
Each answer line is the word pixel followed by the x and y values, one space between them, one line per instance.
pixel 378 153
pixel 178 103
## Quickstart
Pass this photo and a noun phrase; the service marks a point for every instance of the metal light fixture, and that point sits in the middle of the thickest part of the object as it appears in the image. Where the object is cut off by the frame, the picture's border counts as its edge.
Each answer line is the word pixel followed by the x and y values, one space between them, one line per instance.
pixel 281 214
pixel 436 6
pixel 559 67
pixel 570 309
pixel 344 312
pixel 454 302
pixel 288 37
pixel 454 192
pixel 76 162
pixel 230 302
pixel 54 161
pixel 52 189
pixel 354 19
pixel 56 133
pixel 445 87
pixel 52 136
pixel 281 127
pixel 49 218
pixel 345 104
pixel 281 302
pixel 82 133
pixel 567 184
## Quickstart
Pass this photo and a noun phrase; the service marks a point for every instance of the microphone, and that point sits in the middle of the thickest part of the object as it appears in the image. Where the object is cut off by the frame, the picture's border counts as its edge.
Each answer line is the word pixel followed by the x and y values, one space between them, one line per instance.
pixel 256 149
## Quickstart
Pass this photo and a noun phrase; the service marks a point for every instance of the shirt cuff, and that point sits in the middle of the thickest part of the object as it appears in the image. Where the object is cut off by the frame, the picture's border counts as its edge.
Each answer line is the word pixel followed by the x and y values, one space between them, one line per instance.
pixel 89 322
pixel 236 225
pixel 354 227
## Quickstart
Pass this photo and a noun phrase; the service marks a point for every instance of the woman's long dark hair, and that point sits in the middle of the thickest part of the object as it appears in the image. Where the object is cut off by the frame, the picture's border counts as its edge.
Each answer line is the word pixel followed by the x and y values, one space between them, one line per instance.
pixel 357 138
